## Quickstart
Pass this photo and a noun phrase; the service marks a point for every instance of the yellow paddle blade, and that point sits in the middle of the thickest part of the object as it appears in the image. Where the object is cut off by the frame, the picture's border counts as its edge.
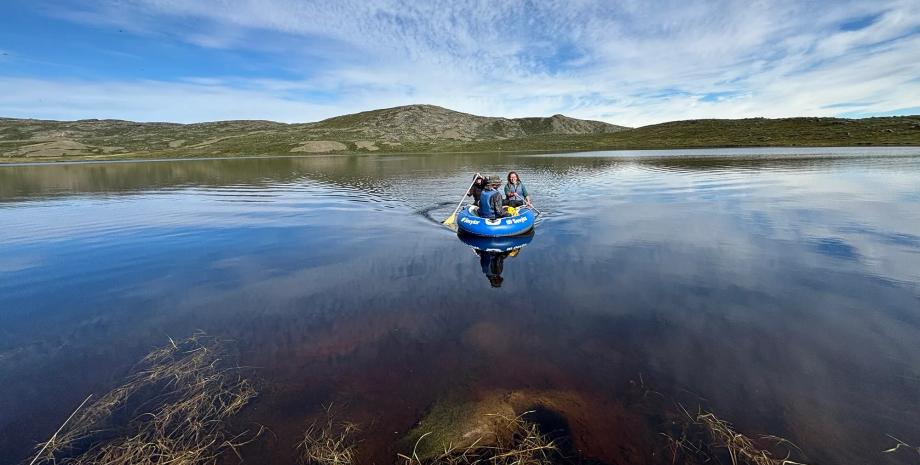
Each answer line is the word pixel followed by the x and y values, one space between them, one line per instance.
pixel 450 219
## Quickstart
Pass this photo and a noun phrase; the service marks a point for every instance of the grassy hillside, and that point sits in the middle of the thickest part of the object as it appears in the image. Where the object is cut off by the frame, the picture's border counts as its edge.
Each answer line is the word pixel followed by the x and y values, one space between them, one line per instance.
pixel 425 128
pixel 751 132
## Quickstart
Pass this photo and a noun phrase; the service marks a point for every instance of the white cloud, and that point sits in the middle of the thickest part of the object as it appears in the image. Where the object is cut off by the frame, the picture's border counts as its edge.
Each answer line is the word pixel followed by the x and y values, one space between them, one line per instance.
pixel 631 63
pixel 190 101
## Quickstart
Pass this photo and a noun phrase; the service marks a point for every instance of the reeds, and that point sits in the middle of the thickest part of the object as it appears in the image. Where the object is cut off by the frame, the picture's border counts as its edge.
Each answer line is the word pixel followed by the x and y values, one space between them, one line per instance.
pixel 516 442
pixel 329 443
pixel 172 410
pixel 741 449
pixel 899 445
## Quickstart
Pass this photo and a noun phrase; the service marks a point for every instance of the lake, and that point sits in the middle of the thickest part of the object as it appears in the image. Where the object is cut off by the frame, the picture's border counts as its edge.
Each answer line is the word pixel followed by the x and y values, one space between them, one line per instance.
pixel 779 288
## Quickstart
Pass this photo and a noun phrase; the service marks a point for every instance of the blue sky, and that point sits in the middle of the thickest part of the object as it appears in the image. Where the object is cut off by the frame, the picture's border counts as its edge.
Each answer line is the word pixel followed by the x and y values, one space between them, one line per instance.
pixel 625 62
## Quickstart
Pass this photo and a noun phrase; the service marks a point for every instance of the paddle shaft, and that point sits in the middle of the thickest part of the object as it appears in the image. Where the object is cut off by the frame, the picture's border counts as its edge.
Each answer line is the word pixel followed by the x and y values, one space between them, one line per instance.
pixel 465 193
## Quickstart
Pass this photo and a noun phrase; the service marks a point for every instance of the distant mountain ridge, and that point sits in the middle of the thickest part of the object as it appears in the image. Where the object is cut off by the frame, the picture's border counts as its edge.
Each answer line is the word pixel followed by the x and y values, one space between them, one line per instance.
pixel 430 122
pixel 390 129
pixel 426 128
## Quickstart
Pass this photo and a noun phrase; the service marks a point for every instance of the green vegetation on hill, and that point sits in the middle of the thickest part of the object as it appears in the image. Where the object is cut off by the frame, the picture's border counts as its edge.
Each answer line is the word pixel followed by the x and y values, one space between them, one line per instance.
pixel 425 128
pixel 751 132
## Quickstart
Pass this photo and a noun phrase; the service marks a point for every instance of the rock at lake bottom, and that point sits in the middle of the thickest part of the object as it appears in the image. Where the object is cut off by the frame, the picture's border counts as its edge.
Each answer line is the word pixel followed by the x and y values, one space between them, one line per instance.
pixel 601 430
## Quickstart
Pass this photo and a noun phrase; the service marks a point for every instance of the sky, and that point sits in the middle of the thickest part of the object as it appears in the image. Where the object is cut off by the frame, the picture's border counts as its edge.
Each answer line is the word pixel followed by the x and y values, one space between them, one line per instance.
pixel 625 62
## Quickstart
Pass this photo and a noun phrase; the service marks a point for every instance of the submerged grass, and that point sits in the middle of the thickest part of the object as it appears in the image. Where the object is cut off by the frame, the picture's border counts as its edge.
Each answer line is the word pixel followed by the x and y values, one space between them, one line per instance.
pixel 516 442
pixel 172 410
pixel 329 443
pixel 706 438
pixel 899 444
pixel 691 439
pixel 741 449
pixel 175 408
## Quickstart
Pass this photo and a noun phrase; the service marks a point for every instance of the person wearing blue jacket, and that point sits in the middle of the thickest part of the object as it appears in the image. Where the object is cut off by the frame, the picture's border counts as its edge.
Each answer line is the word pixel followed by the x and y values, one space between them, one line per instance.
pixel 490 201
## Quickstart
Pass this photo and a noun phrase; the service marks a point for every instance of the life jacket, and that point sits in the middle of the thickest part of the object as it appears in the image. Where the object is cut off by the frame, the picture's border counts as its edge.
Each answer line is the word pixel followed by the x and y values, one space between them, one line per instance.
pixel 485 204
pixel 515 191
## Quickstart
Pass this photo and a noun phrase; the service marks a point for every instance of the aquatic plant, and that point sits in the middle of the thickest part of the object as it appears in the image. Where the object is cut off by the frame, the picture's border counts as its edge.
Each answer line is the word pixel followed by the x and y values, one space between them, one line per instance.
pixel 900 445
pixel 741 449
pixel 172 409
pixel 516 441
pixel 329 443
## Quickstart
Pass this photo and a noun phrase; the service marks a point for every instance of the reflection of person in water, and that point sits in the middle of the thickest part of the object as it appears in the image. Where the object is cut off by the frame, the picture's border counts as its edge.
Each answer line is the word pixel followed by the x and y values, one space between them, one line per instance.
pixel 492 264
pixel 492 253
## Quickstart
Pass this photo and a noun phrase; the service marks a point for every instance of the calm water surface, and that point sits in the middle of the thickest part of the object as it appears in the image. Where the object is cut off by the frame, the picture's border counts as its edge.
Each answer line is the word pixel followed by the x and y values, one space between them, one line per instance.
pixel 779 287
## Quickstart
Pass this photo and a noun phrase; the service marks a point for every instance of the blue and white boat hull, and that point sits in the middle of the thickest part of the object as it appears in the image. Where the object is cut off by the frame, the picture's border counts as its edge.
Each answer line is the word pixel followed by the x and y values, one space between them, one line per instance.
pixel 470 222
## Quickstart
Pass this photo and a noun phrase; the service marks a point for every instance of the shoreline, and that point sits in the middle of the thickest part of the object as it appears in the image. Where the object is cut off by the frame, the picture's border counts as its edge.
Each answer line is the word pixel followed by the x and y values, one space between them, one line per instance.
pixel 430 130
pixel 139 158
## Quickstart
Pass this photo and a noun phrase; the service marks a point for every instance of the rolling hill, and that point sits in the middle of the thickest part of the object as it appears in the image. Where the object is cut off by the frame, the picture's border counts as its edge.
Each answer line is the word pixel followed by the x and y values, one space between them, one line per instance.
pixel 424 128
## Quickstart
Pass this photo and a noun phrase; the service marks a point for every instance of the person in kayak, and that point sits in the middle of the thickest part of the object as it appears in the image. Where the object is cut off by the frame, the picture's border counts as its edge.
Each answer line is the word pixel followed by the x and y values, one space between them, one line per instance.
pixel 515 192
pixel 476 191
pixel 490 201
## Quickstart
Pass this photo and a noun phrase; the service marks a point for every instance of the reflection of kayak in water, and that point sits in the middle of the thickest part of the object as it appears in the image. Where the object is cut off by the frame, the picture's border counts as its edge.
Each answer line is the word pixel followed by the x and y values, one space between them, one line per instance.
pixel 470 222
pixel 496 244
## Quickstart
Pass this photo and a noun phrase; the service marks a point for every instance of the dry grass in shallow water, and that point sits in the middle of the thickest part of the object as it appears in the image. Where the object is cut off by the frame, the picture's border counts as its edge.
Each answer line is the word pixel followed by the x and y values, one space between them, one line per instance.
pixel 741 449
pixel 517 442
pixel 329 443
pixel 899 444
pixel 172 410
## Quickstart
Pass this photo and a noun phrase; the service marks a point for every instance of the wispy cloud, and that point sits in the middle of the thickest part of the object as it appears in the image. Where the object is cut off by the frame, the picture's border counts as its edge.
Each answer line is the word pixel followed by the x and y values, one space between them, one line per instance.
pixel 189 101
pixel 628 62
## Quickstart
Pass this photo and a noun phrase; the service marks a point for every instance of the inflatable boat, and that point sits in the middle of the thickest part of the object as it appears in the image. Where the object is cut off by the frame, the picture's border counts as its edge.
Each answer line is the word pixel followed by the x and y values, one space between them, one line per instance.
pixel 469 221
pixel 496 244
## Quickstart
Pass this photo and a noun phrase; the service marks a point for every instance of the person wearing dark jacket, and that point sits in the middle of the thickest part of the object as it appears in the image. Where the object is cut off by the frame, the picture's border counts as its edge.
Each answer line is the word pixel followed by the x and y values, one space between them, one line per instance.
pixel 490 201
pixel 476 191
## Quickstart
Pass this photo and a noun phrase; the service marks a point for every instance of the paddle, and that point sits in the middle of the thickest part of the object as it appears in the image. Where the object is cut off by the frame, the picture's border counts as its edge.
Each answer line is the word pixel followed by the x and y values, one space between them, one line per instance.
pixel 453 216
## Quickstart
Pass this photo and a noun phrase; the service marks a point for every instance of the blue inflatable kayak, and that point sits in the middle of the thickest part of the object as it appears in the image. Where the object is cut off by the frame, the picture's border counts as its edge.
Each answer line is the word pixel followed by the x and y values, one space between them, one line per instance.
pixel 470 222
